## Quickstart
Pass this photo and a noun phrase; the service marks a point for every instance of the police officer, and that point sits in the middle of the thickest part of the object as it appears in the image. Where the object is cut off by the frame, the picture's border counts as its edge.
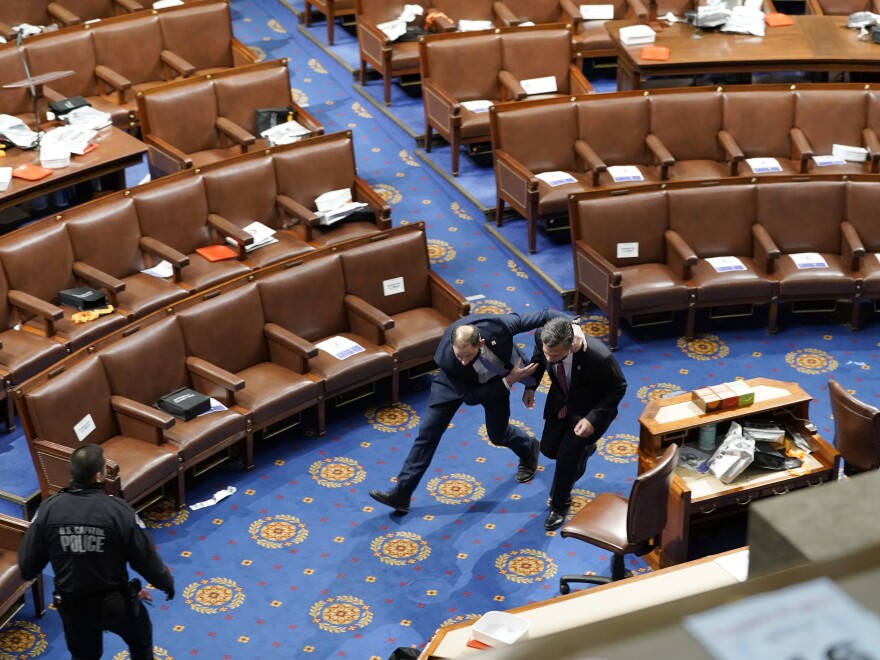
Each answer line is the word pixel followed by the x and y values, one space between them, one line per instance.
pixel 89 537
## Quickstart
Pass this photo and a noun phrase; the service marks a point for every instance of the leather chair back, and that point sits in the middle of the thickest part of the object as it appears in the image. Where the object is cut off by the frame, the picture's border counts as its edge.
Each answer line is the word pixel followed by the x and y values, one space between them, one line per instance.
pixel 856 429
pixel 828 119
pixel 600 126
pixel 380 11
pixel 241 91
pixel 176 216
pixel 47 244
pixel 532 54
pixel 862 202
pixel 75 52
pixel 467 67
pixel 33 12
pixel 547 150
pixel 536 11
pixel 245 193
pixel 648 499
pixel 714 222
pixel 114 47
pixel 183 115
pixel 605 223
pixel 688 124
pixel 107 236
pixel 313 169
pixel 15 101
pixel 802 218
pixel 90 9
pixel 760 121
pixel 201 33
pixel 471 10
pixel 844 7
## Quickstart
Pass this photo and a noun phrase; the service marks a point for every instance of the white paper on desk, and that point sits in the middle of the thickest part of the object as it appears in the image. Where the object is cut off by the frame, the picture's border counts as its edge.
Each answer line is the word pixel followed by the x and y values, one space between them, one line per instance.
pixel 554 179
pixel 814 620
pixel 542 85
pixel 473 26
pixel 262 234
pixel 162 269
pixel 5 178
pixel 804 260
pixel 88 117
pixel 761 165
pixel 73 138
pixel 824 161
pixel 340 347
pixel 597 12
pixel 625 173
pixel 286 133
pixel 480 105
pixel 725 264
pixel 219 495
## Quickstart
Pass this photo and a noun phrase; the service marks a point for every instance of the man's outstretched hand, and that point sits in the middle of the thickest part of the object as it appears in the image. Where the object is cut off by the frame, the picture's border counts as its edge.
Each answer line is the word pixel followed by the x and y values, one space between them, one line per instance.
pixel 519 372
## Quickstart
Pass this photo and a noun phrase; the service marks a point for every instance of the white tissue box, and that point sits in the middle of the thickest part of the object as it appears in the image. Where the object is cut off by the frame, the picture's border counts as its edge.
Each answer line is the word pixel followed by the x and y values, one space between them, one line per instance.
pixel 852 154
pixel 637 34
pixel 5 178
pixel 54 157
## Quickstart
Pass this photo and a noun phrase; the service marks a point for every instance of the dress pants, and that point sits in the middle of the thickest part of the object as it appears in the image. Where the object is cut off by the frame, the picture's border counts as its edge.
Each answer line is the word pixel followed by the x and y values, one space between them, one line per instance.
pixel 441 410
pixel 571 452
pixel 84 621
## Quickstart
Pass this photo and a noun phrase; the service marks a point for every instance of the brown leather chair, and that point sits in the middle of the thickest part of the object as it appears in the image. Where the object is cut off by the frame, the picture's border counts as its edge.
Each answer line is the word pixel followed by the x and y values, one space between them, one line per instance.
pixel 286 293
pixel 647 282
pixel 12 587
pixel 175 219
pixel 332 9
pixel 105 235
pixel 840 7
pixel 421 308
pixel 34 291
pixel 253 350
pixel 856 430
pixel 132 435
pixel 624 526
pixel 33 12
pixel 197 439
pixel 758 124
pixel 88 10
pixel 17 101
pixel 861 237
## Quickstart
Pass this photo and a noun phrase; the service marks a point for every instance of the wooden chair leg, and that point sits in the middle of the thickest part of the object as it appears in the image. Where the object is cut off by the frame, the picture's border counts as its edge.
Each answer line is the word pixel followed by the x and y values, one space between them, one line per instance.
pixel 331 25
pixel 9 412
pixel 429 136
pixel 249 450
pixel 180 495
pixel 321 412
pixel 533 234
pixel 456 152
pixel 395 386
pixel 773 316
pixel 690 322
pixel 499 210
pixel 386 87
pixel 613 329
pixel 307 14
pixel 855 321
pixel 363 72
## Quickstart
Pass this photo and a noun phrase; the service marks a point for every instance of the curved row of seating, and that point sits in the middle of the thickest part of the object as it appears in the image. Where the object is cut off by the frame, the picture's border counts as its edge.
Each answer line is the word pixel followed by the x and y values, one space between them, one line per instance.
pixel 110 61
pixel 107 243
pixel 673 135
pixel 255 345
pixel 722 244
pixel 44 13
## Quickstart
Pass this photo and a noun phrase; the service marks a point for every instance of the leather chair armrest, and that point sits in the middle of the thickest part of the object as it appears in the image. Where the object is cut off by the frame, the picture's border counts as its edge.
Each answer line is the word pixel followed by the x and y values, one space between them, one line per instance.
pixel 591 159
pixel 62 14
pixel 7 32
pixel 768 7
pixel 99 280
pixel 52 95
pixel 504 17
pixel 596 272
pixel 156 248
pixel 234 132
pixel 661 154
pixel 442 23
pixel 445 298
pixel 168 150
pixel 571 12
pixel 851 244
pixel 129 5
pixel 33 305
pixel 764 248
pixel 509 84
pixel 441 107
pixel 299 213
pixel 578 82
pixel 638 8
pixel 801 150
pixel 731 149
pixel 872 144
pixel 363 192
pixel 680 256
pixel 374 44
pixel 366 320
pixel 176 62
pixel 116 80
pixel 211 372
pixel 13 530
pixel 229 230
pixel 140 421
pixel 517 168
pixel 307 119
pixel 288 349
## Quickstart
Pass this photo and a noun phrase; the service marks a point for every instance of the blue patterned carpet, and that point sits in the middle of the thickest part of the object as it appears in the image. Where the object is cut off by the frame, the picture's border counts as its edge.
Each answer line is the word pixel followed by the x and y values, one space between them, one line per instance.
pixel 298 563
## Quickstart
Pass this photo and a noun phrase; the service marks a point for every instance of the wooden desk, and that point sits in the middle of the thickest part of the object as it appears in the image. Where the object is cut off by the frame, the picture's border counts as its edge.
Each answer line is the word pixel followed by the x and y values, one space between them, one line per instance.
pixel 602 602
pixel 116 151
pixel 813 43
pixel 695 497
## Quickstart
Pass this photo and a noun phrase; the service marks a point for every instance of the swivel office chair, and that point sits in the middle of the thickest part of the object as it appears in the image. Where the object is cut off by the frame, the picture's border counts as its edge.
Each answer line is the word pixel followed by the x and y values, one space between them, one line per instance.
pixel 856 430
pixel 624 526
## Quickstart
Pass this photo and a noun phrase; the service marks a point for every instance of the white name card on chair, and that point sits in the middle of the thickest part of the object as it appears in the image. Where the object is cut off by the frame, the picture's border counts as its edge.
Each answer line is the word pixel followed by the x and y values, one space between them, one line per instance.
pixel 805 260
pixel 627 250
pixel 543 85
pixel 393 286
pixel 725 264
pixel 83 427
pixel 824 161
pixel 597 12
pixel 761 165
pixel 554 179
pixel 625 173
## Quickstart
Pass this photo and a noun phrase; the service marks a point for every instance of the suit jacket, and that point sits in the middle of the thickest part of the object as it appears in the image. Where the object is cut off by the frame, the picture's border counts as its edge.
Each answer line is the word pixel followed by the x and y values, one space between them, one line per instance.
pixel 596 388
pixel 457 381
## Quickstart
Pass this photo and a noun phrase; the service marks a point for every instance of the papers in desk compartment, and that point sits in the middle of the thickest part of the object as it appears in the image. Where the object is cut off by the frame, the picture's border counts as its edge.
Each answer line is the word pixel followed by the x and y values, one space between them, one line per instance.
pixel 335 205
pixel 554 179
pixel 340 347
pixel 625 173
pixel 824 161
pixel 804 260
pixel 725 264
pixel 473 26
pixel 693 459
pixel 162 269
pixel 597 12
pixel 17 132
pixel 481 105
pixel 289 131
pixel 543 85
pixel 762 165
pixel 262 234
pixel 88 117
pixel 810 621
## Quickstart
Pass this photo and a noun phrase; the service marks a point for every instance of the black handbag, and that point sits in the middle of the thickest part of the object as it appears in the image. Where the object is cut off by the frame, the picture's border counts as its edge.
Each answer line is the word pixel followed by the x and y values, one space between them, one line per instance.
pixel 267 118
pixel 82 298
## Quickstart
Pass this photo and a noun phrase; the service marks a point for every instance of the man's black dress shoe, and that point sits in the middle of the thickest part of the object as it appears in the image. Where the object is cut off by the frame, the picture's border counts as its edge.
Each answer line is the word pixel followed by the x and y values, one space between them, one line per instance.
pixel 528 467
pixel 391 498
pixel 555 519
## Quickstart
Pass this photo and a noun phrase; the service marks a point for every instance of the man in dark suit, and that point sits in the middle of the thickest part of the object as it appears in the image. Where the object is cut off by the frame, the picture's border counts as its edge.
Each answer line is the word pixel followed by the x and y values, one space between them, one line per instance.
pixel 586 385
pixel 479 363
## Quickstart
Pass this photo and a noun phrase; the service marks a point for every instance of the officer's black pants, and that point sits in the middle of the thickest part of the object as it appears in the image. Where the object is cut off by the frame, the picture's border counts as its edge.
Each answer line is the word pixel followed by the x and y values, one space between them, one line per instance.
pixel 84 623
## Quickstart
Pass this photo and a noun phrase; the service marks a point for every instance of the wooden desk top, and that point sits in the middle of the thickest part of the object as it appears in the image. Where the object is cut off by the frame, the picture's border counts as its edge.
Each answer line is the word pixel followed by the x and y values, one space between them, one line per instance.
pixel 813 40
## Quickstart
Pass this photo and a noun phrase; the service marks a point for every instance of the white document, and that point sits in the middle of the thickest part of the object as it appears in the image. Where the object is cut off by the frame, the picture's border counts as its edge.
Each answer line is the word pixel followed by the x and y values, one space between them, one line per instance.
pixel 17 132
pixel 286 133
pixel 543 85
pixel 340 347
pixel 393 29
pixel 745 20
pixel 88 117
pixel 725 264
pixel 554 179
pixel 262 234
pixel 823 161
pixel 762 165
pixel 83 427
pixel 5 178
pixel 627 250
pixel 473 26
pixel 809 621
pixel 526 24
pixel 73 138
pixel 219 495
pixel 54 156
pixel 163 4
pixel 805 260
pixel 162 269
pixel 597 12
pixel 625 173
pixel 637 34
pixel 852 154
pixel 737 564
pixel 216 406
pixel 481 105
pixel 335 205
pixel 393 286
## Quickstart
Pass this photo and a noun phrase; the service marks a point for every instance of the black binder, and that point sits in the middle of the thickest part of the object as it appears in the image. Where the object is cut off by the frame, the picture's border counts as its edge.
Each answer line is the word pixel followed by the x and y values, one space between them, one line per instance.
pixel 82 298
pixel 184 403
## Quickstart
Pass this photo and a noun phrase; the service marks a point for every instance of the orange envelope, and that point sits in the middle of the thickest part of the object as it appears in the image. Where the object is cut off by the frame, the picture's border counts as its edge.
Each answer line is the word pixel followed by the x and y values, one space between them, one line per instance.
pixel 217 252
pixel 659 53
pixel 31 172
pixel 778 20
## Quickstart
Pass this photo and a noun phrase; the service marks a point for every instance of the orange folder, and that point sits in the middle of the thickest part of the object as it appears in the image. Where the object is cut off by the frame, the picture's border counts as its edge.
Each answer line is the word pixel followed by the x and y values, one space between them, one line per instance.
pixel 778 20
pixel 217 252
pixel 31 172
pixel 658 53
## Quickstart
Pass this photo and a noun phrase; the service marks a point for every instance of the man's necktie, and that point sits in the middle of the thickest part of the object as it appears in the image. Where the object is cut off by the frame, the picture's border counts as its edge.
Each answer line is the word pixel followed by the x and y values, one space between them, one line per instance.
pixel 563 385
pixel 492 367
